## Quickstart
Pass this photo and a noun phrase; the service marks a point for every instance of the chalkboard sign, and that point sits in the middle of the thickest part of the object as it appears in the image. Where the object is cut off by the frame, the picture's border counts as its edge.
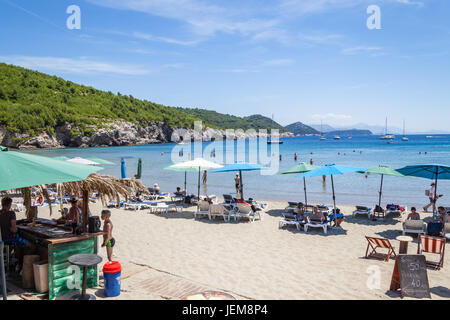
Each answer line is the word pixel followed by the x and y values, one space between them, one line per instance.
pixel 410 276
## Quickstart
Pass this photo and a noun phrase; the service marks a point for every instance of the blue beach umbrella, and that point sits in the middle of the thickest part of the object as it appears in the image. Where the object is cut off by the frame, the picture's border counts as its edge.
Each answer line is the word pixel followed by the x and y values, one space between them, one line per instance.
pixel 240 166
pixel 427 171
pixel 123 168
pixel 331 170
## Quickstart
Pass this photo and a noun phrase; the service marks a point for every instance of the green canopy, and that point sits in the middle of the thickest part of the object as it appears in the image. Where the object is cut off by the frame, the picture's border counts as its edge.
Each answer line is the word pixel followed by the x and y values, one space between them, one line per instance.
pixel 139 169
pixel 98 160
pixel 62 158
pixel 301 168
pixel 382 170
pixel 21 170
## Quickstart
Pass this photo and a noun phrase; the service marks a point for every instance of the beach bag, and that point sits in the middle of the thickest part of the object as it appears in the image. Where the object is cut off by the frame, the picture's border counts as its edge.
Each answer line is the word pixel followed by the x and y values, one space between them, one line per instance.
pixel 427 192
pixel 434 229
pixel 379 209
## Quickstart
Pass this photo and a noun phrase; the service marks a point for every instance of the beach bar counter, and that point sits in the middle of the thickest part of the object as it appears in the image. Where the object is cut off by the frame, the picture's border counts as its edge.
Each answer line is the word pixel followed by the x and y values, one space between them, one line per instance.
pixel 56 243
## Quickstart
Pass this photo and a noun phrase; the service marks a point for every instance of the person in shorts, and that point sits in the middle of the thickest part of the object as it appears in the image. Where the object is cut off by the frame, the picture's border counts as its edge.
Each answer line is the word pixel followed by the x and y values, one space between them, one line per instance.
pixel 108 240
pixel 9 232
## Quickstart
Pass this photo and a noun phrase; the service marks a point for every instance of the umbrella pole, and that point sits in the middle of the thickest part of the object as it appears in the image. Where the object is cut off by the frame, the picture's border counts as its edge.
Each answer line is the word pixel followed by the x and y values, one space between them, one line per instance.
pixel 334 201
pixel 185 178
pixel 198 185
pixel 242 186
pixel 304 187
pixel 435 189
pixel 85 209
pixel 2 269
pixel 381 190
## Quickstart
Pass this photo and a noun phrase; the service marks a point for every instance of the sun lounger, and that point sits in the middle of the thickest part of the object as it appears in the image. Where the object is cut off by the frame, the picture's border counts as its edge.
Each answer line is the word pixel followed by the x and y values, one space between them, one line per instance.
pixel 137 205
pixel 202 209
pixel 362 211
pixel 244 210
pixel 218 210
pixel 432 245
pixel 17 207
pixel 289 222
pixel 414 226
pixel 291 206
pixel 395 211
pixel 376 243
pixel 316 223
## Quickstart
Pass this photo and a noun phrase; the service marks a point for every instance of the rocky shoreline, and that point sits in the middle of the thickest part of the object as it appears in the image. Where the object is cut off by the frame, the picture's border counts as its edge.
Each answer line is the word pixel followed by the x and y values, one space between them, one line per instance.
pixel 119 133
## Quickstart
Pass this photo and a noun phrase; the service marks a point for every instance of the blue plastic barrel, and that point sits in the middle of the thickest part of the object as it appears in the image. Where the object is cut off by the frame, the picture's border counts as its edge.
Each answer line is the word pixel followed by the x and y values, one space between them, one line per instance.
pixel 111 273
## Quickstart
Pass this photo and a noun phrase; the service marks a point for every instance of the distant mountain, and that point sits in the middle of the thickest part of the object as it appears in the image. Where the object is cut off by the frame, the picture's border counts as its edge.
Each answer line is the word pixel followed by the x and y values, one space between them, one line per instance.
pixel 351 132
pixel 325 127
pixel 299 128
pixel 226 121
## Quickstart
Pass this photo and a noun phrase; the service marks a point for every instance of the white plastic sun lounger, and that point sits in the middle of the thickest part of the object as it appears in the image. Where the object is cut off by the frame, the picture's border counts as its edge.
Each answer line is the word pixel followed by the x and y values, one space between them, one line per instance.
pixel 202 209
pixel 414 226
pixel 313 223
pixel 362 211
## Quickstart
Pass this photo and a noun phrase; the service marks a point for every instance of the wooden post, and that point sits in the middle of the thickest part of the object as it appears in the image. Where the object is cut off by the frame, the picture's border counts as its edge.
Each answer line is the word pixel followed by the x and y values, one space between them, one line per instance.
pixel 85 209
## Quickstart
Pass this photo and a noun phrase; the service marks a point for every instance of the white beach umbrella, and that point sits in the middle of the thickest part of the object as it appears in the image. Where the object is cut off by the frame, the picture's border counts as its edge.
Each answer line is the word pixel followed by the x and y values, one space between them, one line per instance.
pixel 83 161
pixel 200 164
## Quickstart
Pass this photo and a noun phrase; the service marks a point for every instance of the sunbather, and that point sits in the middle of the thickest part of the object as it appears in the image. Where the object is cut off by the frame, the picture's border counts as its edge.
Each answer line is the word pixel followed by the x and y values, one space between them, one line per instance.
pixel 179 192
pixel 317 214
pixel 414 215
pixel 300 212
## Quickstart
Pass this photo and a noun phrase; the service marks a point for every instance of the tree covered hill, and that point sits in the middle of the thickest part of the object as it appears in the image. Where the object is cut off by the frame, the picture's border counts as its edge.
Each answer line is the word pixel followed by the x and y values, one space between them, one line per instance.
pixel 301 129
pixel 227 121
pixel 32 102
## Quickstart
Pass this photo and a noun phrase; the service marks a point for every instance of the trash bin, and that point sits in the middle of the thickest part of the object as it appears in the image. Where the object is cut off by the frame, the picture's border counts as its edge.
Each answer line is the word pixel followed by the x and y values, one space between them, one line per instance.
pixel 27 271
pixel 111 273
pixel 41 276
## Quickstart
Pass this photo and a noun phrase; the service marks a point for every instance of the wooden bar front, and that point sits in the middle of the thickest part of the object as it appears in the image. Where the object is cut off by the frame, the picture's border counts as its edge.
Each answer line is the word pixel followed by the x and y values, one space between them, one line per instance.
pixel 62 276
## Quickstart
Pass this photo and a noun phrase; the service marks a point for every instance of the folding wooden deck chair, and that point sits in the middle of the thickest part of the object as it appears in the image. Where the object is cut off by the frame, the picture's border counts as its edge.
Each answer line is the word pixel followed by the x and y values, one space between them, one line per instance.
pixel 376 243
pixel 432 245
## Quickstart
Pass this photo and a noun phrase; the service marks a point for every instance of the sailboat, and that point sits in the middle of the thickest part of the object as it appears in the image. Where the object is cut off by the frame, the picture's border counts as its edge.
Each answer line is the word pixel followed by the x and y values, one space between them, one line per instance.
pixel 404 138
pixel 321 132
pixel 386 135
pixel 270 141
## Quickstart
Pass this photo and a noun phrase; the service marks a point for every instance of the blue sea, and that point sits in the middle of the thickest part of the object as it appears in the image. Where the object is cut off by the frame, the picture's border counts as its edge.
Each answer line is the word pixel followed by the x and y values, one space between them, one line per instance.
pixel 355 188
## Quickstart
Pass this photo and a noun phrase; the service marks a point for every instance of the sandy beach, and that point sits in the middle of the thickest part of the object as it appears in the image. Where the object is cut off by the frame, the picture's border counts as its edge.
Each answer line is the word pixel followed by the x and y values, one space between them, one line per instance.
pixel 170 255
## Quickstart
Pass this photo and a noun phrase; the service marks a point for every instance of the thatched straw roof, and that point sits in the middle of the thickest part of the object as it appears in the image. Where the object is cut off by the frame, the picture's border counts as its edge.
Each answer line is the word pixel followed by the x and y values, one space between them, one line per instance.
pixel 107 186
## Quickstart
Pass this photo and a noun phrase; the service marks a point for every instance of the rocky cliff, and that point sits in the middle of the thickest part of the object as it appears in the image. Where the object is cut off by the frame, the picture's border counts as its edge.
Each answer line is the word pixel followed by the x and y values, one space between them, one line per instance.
pixel 118 133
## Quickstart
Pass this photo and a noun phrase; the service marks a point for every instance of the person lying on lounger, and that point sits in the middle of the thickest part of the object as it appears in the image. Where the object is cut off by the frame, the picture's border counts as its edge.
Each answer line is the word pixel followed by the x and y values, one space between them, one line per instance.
pixel 300 212
pixel 317 214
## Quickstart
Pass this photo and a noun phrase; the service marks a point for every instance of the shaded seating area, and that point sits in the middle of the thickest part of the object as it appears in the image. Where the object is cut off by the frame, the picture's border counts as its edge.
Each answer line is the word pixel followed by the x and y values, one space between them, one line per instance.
pixel 374 243
pixel 434 245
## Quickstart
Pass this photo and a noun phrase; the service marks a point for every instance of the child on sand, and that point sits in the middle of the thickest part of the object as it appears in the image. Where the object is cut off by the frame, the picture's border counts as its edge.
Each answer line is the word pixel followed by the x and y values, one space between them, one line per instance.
pixel 108 240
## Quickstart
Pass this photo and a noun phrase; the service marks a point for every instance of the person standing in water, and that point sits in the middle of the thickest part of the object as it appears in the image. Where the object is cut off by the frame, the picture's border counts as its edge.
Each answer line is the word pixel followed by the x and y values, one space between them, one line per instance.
pixel 205 177
pixel 295 156
pixel 237 182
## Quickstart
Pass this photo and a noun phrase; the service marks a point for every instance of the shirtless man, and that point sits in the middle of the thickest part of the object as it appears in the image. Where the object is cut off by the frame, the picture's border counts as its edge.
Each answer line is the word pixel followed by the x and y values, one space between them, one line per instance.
pixel 108 240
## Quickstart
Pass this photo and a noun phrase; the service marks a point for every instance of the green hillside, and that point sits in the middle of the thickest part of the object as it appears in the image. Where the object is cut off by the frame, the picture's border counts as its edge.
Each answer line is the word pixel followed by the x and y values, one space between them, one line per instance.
pixel 32 102
pixel 300 128
pixel 220 120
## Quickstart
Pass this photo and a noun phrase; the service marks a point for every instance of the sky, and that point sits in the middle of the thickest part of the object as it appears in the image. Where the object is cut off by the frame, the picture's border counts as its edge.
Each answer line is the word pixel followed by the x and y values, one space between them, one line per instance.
pixel 298 60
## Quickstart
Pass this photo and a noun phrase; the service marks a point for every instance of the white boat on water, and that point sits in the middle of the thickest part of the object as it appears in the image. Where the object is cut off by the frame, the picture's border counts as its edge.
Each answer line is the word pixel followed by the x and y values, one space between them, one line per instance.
pixel 337 138
pixel 322 138
pixel 404 138
pixel 386 135
pixel 276 141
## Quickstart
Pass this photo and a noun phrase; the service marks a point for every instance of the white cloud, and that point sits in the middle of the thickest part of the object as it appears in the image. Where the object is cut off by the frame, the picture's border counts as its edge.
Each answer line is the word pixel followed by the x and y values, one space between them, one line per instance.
pixel 80 65
pixel 278 63
pixel 362 49
pixel 409 2
pixel 149 37
pixel 331 116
